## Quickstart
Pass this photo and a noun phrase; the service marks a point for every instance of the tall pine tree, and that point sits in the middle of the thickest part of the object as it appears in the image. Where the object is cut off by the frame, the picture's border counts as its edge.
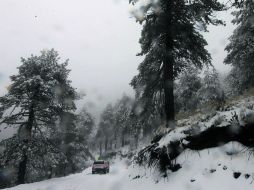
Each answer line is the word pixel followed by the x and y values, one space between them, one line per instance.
pixel 170 41
pixel 39 96
pixel 241 47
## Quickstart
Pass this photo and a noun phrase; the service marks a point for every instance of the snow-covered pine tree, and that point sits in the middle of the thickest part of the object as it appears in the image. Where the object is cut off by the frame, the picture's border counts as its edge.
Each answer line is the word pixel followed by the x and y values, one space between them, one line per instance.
pixel 39 95
pixel 115 125
pixel 241 48
pixel 85 123
pixel 105 131
pixel 74 142
pixel 187 88
pixel 135 129
pixel 234 82
pixel 147 114
pixel 170 41
pixel 211 91
pixel 237 3
pixel 123 109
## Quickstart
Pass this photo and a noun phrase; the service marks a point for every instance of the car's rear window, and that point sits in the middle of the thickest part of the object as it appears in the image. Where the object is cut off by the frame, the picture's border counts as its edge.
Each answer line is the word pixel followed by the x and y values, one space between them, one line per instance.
pixel 99 162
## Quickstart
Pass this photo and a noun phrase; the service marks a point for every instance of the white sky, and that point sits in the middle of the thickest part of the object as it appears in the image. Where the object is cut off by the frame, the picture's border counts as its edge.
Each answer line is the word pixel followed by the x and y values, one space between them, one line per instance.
pixel 98 36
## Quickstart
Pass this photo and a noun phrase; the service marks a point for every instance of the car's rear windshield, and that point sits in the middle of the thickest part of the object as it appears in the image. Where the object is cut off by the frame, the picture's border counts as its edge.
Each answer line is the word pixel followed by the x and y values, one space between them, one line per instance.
pixel 99 162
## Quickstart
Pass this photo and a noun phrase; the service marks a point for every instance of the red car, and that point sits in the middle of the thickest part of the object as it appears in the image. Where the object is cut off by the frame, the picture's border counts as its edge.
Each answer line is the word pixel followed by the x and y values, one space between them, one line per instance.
pixel 100 166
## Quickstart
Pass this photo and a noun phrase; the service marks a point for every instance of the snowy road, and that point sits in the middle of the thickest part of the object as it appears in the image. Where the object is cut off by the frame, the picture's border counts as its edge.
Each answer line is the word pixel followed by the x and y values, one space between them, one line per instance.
pixel 206 170
pixel 117 179
pixel 83 181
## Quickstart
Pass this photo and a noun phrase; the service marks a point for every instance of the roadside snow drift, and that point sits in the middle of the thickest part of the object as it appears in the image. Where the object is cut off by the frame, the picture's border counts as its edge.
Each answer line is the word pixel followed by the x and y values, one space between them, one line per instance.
pixel 227 167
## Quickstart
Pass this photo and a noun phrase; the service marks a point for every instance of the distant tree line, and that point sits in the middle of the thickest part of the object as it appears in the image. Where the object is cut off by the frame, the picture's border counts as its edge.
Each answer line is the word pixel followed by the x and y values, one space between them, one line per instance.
pixel 129 122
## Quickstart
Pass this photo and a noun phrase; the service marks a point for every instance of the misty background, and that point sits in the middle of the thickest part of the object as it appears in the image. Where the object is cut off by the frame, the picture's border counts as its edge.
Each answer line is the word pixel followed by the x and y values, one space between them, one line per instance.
pixel 100 38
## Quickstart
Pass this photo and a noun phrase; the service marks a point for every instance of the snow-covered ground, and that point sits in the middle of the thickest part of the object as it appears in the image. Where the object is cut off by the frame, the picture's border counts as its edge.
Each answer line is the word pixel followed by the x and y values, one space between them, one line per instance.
pixel 205 170
pixel 228 167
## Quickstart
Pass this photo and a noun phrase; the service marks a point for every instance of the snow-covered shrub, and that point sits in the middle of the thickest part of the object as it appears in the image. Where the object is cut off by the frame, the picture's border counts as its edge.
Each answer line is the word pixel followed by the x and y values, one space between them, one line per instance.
pixel 211 94
pixel 187 88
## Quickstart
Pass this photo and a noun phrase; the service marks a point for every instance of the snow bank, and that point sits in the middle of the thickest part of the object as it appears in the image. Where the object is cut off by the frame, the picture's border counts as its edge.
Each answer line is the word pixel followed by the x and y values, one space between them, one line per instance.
pixel 207 170
pixel 243 109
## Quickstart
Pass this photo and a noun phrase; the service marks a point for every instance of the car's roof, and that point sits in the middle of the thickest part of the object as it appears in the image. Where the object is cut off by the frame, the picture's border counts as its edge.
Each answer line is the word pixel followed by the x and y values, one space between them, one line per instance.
pixel 99 161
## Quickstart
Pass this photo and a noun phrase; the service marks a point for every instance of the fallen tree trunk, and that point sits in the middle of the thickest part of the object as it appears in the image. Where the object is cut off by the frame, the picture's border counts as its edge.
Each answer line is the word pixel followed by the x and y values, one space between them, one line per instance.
pixel 164 157
pixel 217 136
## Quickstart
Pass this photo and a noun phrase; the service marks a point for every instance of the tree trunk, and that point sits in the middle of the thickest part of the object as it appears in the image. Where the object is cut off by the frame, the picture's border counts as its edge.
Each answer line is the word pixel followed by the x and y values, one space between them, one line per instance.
pixel 22 170
pixel 123 139
pixel 111 144
pixel 136 141
pixel 169 92
pixel 106 144
pixel 115 137
pixel 100 148
pixel 25 135
pixel 50 173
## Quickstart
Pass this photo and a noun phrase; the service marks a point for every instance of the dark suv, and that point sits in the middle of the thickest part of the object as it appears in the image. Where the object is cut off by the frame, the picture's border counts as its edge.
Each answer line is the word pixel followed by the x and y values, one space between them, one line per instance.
pixel 100 166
